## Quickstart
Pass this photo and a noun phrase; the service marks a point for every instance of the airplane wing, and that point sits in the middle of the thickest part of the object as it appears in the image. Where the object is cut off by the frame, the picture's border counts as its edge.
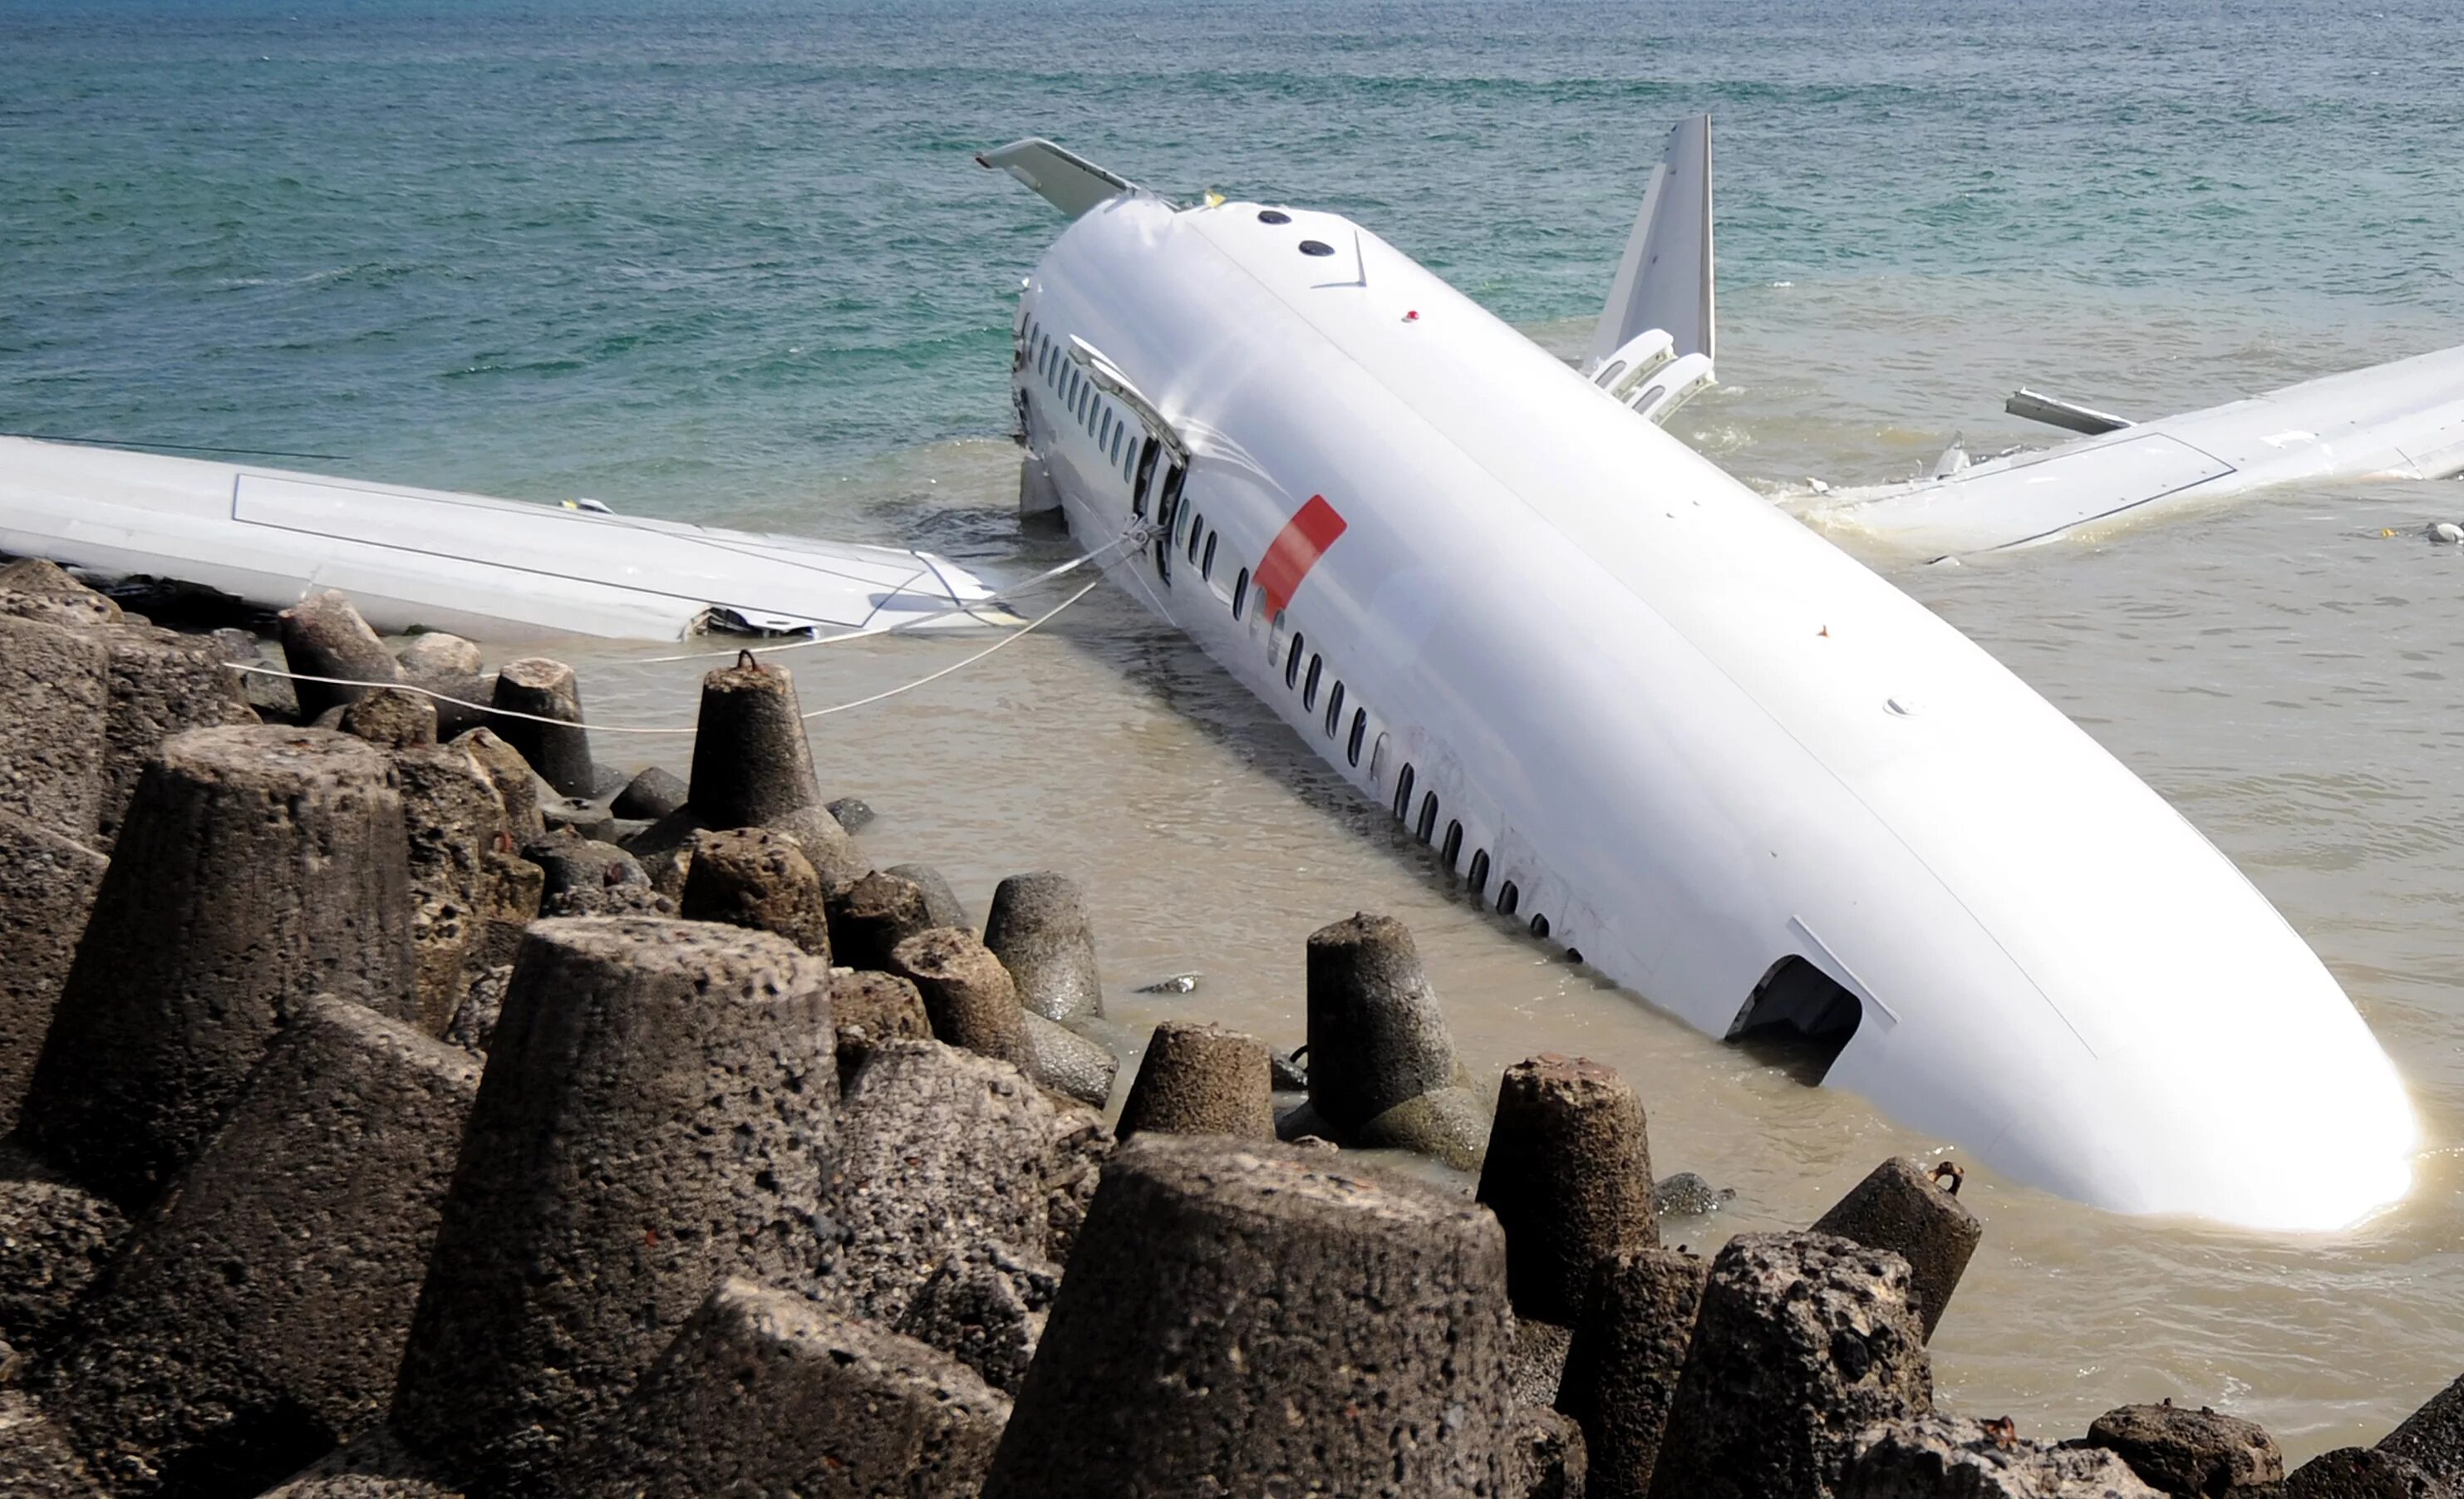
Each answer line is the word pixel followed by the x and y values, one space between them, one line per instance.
pixel 1652 348
pixel 1069 182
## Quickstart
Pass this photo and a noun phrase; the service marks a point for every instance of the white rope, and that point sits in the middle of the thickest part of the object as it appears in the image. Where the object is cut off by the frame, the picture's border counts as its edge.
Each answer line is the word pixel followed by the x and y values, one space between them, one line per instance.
pixel 1026 628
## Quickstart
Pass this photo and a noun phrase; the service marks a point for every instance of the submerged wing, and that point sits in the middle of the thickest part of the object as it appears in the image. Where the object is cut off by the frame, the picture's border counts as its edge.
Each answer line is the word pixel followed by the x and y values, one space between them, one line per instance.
pixel 1069 182
pixel 1665 281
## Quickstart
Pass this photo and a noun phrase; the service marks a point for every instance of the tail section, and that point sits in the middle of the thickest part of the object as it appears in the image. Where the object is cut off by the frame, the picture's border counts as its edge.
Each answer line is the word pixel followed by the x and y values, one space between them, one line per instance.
pixel 1659 310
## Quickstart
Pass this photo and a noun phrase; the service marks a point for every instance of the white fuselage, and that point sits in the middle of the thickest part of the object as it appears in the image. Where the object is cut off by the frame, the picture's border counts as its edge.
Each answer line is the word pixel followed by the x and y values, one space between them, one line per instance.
pixel 2403 420
pixel 1633 706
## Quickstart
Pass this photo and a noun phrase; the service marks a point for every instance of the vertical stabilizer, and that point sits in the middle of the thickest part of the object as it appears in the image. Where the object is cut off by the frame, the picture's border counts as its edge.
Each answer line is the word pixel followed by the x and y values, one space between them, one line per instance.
pixel 1665 281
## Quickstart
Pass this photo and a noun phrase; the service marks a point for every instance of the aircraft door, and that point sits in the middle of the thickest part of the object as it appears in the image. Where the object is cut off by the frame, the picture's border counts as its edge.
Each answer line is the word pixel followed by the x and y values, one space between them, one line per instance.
pixel 1146 476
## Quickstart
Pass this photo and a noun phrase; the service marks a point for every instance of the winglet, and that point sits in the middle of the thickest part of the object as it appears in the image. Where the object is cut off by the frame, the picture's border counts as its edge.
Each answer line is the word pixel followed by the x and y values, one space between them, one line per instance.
pixel 1665 281
pixel 1069 182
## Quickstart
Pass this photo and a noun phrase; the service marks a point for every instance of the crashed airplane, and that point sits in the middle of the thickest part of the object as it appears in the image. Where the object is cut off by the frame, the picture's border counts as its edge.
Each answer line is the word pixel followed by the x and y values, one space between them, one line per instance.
pixel 1636 710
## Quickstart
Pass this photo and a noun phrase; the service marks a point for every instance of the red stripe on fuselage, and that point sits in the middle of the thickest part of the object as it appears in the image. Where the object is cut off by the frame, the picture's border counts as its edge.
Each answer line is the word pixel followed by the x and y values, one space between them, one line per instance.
pixel 1296 549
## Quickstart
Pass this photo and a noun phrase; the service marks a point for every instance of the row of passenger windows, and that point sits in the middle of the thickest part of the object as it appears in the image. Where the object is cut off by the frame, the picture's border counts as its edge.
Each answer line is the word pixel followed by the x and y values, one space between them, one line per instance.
pixel 1424 827
pixel 1113 430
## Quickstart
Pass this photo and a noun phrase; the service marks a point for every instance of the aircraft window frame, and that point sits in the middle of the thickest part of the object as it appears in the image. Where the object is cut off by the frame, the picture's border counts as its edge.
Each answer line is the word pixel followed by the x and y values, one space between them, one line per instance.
pixel 1359 734
pixel 1426 828
pixel 1240 592
pixel 1378 758
pixel 1510 898
pixel 1334 709
pixel 1450 851
pixel 1403 783
pixel 1293 660
pixel 1197 533
pixel 1104 437
pixel 1206 561
pixel 1539 925
pixel 1476 880
pixel 1309 685
pixel 1119 431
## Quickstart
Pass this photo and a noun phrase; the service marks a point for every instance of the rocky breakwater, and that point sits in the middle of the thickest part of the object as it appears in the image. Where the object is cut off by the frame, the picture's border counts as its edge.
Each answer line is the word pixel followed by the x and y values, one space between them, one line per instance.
pixel 391 1116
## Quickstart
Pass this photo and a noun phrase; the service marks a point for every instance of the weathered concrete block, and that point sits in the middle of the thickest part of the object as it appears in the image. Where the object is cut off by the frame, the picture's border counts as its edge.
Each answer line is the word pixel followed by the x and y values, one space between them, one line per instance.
pixel 56 1238
pixel 966 991
pixel 873 915
pixel 535 688
pixel 322 635
pixel 751 762
pixel 47 887
pixel 1074 1066
pixel 1901 1208
pixel 1450 1125
pixel 516 781
pixel 1803 1341
pixel 764 1393
pixel 1039 931
pixel 753 877
pixel 32 579
pixel 1376 1036
pixel 516 891
pixel 652 794
pixel 1621 1371
pixel 434 652
pixel 55 708
pixel 259 1313
pixel 853 813
pixel 372 1466
pixel 454 818
pixel 162 683
pixel 2361 1473
pixel 1201 1079
pixel 2434 1436
pixel 943 1151
pixel 392 717
pixel 1953 1457
pixel 2192 1453
pixel 37 1460
pixel 260 867
pixel 1569 1175
pixel 941 904
pixel 1209 1336
pixel 870 1008
pixel 586 878
pixel 984 1306
pixel 1547 1457
pixel 656 1113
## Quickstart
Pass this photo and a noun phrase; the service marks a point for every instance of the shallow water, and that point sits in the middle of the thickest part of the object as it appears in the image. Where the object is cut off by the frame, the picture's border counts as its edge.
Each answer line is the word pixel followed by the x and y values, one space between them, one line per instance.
pixel 734 264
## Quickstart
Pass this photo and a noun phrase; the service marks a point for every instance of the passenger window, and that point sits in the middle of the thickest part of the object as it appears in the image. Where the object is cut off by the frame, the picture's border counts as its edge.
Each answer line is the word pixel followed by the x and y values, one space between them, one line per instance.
pixel 1359 732
pixel 1376 758
pixel 1453 847
pixel 1539 926
pixel 1427 827
pixel 1477 878
pixel 1104 437
pixel 1334 714
pixel 1293 660
pixel 1507 898
pixel 1240 592
pixel 1403 793
pixel 1309 686
pixel 1206 564
pixel 1118 433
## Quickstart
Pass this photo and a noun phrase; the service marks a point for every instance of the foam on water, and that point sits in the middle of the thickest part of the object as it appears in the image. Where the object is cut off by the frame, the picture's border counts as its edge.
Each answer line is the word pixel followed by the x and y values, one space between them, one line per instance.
pixel 734 262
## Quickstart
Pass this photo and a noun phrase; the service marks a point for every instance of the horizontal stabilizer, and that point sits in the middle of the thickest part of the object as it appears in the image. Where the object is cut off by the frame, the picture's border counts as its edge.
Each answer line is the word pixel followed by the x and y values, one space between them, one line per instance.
pixel 1069 182
pixel 2055 412
pixel 1665 280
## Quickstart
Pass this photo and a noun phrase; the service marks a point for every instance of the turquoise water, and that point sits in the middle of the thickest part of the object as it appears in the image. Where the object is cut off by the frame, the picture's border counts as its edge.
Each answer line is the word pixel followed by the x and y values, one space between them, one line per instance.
pixel 707 260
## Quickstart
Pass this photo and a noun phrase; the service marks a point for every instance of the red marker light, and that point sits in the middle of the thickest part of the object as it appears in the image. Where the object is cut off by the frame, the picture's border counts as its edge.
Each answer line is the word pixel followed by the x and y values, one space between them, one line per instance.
pixel 1412 317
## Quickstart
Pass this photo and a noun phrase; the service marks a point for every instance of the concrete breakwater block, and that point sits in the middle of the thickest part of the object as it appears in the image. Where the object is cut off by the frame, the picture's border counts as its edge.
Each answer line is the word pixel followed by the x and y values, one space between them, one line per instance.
pixel 655 1115
pixel 37 1460
pixel 751 762
pixel 943 1151
pixel 985 1307
pixel 1901 1208
pixel 2361 1473
pixel 434 652
pixel 1803 1341
pixel 1209 1336
pixel 33 588
pixel 651 795
pixel 1038 927
pixel 1382 1071
pixel 942 903
pixel 453 817
pixel 582 877
pixel 869 1008
pixel 47 887
pixel 54 706
pixel 392 717
pixel 1074 1066
pixel 55 1239
pixel 2432 1436
pixel 1569 1175
pixel 535 688
pixel 259 1313
pixel 754 878
pixel 966 991
pixel 1621 1371
pixel 872 915
pixel 515 780
pixel 322 635
pixel 260 867
pixel 1954 1457
pixel 765 1393
pixel 162 683
pixel 1201 1079
pixel 1546 1459
pixel 2194 1453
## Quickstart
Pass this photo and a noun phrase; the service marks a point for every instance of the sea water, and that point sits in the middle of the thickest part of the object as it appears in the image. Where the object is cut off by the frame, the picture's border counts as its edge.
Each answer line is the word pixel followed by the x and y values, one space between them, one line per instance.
pixel 735 263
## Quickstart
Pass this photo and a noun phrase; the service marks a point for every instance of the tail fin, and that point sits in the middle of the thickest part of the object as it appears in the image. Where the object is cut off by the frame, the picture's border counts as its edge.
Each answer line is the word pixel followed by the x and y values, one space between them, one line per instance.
pixel 1069 182
pixel 1665 281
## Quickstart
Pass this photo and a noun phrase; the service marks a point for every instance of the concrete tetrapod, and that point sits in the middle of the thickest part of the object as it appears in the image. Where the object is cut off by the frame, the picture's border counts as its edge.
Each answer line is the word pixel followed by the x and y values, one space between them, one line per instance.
pixel 1955 1457
pixel 259 1313
pixel 966 991
pixel 2194 1453
pixel 1211 1335
pixel 1201 1079
pixel 1376 1038
pixel 47 887
pixel 655 1115
pixel 1899 1208
pixel 751 762
pixel 322 635
pixel 1803 1341
pixel 392 717
pixel 2432 1436
pixel 454 819
pixel 753 877
pixel 538 688
pixel 1038 927
pixel 871 917
pixel 869 1008
pixel 260 866
pixel 162 683
pixel 55 705
pixel 1628 1352
pixel 941 904
pixel 765 1393
pixel 1569 1175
